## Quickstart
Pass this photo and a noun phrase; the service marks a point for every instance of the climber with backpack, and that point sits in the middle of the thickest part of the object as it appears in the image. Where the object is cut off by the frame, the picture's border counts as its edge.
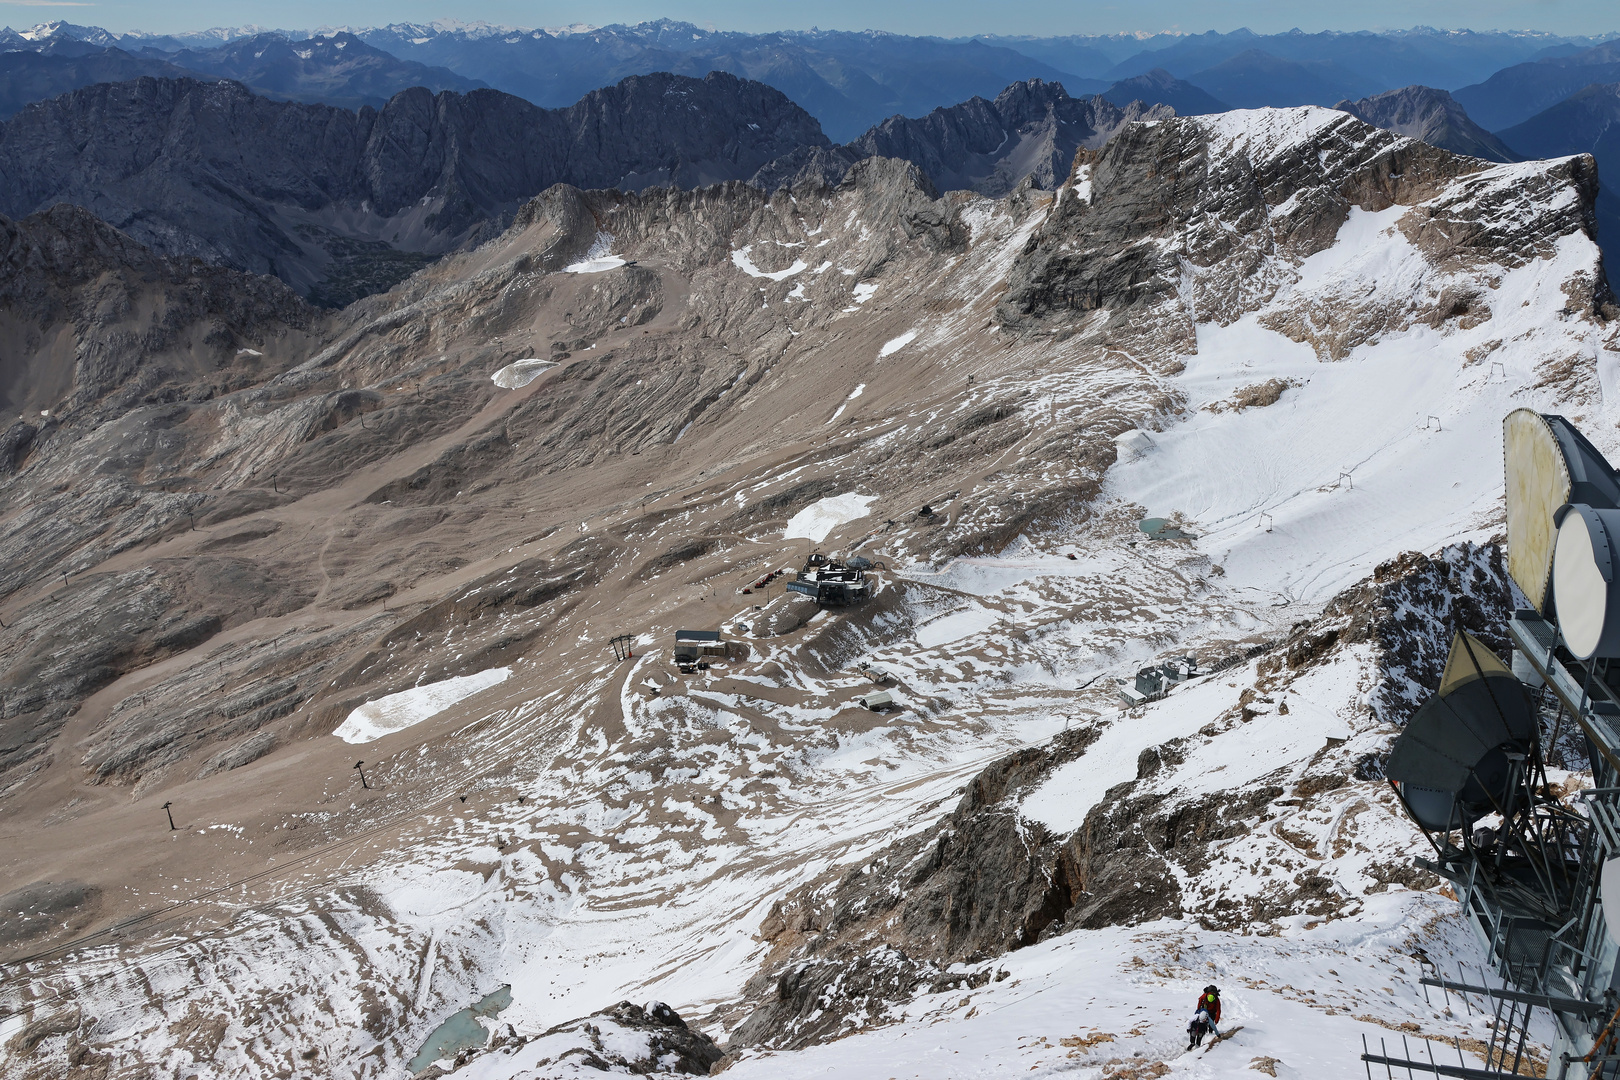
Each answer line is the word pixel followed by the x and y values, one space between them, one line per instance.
pixel 1206 1017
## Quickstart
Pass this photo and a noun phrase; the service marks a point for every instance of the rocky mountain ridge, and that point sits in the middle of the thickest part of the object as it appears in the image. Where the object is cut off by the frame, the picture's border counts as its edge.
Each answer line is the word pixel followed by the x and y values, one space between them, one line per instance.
pixel 1029 134
pixel 338 203
pixel 342 204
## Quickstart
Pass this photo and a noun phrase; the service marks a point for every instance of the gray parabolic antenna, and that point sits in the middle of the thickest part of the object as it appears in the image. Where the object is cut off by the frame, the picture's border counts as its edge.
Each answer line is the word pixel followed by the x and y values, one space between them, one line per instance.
pixel 1586 580
pixel 1451 759
pixel 1609 888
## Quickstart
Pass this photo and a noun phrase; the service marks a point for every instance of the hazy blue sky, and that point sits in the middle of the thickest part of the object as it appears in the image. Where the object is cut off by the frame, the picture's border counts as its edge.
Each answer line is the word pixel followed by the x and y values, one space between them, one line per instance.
pixel 945 17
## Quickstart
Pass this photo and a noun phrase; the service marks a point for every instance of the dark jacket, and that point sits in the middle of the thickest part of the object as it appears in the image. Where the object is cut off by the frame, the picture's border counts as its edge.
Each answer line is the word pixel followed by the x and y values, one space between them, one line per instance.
pixel 1210 1003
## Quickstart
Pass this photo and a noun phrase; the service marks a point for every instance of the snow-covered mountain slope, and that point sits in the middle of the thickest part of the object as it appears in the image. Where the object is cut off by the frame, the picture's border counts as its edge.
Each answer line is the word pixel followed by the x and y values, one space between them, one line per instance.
pixel 1274 297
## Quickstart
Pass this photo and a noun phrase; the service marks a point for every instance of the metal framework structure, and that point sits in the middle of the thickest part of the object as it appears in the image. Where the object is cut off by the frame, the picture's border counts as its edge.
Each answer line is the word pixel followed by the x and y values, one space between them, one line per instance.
pixel 1532 890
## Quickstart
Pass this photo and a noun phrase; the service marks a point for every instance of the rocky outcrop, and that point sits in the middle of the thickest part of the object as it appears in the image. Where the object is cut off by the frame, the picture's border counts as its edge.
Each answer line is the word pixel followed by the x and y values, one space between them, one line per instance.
pixel 1029 133
pixel 980 882
pixel 1431 116
pixel 1031 130
pixel 1216 197
pixel 1586 122
pixel 627 1038
pixel 318 195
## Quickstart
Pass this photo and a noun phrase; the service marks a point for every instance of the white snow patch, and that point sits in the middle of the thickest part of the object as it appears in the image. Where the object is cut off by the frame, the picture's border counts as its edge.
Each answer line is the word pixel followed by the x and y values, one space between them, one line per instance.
pixel 396 712
pixel 864 291
pixel 598 259
pixel 816 521
pixel 894 345
pixel 1386 450
pixel 521 372
pixel 741 260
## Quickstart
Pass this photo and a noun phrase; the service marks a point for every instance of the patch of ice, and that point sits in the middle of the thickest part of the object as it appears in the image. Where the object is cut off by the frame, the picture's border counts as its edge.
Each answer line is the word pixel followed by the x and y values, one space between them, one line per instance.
pixel 894 345
pixel 396 712
pixel 598 259
pixel 742 262
pixel 864 291
pixel 521 373
pixel 816 521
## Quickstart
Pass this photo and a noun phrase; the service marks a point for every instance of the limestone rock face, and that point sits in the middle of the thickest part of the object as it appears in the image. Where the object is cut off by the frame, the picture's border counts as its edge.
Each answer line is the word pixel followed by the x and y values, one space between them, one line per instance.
pixel 1207 217
pixel 318 195
pixel 1032 129
pixel 1029 134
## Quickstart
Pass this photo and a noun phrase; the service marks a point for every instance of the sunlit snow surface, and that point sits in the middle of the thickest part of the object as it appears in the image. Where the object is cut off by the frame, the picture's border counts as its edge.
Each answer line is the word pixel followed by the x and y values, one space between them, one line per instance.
pixel 741 261
pixel 598 259
pixel 894 345
pixel 396 712
pixel 1396 447
pixel 817 521
pixel 521 373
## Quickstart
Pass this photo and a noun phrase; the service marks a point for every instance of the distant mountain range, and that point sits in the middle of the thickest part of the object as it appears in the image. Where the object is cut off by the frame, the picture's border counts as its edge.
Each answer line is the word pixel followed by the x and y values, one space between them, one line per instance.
pixel 1515 94
pixel 1254 79
pixel 1159 87
pixel 849 81
pixel 339 69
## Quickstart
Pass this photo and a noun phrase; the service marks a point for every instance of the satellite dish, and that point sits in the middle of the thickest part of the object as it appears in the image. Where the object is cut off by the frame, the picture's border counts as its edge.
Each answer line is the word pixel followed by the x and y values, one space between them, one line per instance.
pixel 1609 890
pixel 1586 566
pixel 1451 761
pixel 1548 464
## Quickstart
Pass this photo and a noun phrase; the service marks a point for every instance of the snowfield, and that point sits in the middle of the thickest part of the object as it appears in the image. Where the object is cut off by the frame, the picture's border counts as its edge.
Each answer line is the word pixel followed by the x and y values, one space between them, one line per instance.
pixel 817 521
pixel 598 259
pixel 396 712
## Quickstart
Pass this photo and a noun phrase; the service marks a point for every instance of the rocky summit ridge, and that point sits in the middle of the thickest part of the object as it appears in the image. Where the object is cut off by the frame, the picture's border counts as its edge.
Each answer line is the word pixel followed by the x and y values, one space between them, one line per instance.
pixel 273 519
pixel 335 201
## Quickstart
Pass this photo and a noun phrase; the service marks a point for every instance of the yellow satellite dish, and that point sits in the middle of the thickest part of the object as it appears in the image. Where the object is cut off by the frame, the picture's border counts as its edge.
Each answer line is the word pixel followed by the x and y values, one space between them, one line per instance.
pixel 1537 485
pixel 1547 464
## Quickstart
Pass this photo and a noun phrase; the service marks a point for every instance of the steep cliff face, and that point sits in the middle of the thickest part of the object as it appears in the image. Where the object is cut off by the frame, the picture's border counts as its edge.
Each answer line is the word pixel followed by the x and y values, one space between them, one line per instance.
pixel 1030 132
pixel 337 203
pixel 1032 129
pixel 1587 122
pixel 1208 217
pixel 1431 116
